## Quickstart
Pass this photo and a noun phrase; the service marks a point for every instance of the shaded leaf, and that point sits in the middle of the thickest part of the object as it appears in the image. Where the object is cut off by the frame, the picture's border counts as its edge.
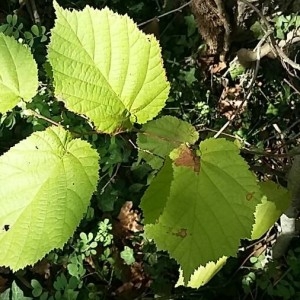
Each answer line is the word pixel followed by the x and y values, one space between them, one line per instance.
pixel 159 137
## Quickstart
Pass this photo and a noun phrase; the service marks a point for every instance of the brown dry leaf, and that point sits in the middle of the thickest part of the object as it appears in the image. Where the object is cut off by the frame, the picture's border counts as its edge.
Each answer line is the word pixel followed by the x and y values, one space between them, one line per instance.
pixel 231 102
pixel 216 68
pixel 187 158
pixel 206 62
pixel 136 280
pixel 90 261
pixel 129 219
pixel 124 288
pixel 138 276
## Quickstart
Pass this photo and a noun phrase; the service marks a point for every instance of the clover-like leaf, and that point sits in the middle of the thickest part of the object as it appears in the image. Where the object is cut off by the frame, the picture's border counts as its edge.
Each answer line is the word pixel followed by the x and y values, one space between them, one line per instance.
pixel 105 68
pixel 18 73
pixel 47 181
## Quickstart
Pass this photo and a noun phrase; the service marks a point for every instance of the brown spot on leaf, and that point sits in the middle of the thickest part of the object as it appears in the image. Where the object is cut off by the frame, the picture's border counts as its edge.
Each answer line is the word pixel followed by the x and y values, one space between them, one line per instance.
pixel 250 196
pixel 187 158
pixel 182 232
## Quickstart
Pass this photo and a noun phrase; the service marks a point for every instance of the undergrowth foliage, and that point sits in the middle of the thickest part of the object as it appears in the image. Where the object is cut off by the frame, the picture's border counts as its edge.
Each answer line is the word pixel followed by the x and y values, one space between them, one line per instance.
pixel 203 199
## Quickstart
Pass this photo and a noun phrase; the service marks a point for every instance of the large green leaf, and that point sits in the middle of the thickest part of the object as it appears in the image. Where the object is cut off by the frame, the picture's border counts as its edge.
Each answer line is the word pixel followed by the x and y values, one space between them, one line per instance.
pixel 207 212
pixel 104 67
pixel 276 199
pixel 159 137
pixel 18 73
pixel 47 181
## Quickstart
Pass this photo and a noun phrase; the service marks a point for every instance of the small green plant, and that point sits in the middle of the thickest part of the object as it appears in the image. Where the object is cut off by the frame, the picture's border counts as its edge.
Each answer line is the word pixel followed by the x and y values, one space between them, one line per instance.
pixel 104 235
pixel 275 278
pixel 86 246
pixel 11 28
pixel 15 29
pixel 75 266
pixel 64 289
pixel 284 24
pixel 127 255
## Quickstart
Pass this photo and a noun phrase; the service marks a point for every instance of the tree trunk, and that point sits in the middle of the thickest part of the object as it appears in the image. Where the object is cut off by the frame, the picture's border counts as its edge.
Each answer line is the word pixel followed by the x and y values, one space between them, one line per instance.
pixel 221 22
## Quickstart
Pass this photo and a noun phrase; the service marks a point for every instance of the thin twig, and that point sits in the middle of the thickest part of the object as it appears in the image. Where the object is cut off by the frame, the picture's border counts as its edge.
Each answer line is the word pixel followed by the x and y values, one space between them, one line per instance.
pixel 228 135
pixel 34 113
pixel 270 154
pixel 144 150
pixel 258 57
pixel 266 22
pixel 276 127
pixel 291 86
pixel 31 6
pixel 111 178
pixel 276 48
pixel 284 60
pixel 251 84
pixel 165 14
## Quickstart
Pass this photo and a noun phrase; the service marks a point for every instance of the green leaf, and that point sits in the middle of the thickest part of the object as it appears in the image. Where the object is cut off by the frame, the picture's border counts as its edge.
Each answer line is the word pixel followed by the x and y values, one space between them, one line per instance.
pixel 14 20
pixel 127 255
pixel 18 73
pixel 152 205
pixel 159 137
pixel 5 295
pixel 44 38
pixel 275 201
pixel 257 30
pixel 207 212
pixel 14 293
pixel 189 76
pixel 28 35
pixel 191 24
pixel 35 30
pixel 235 70
pixel 203 274
pixel 55 178
pixel 9 18
pixel 106 68
pixel 3 27
pixel 37 288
